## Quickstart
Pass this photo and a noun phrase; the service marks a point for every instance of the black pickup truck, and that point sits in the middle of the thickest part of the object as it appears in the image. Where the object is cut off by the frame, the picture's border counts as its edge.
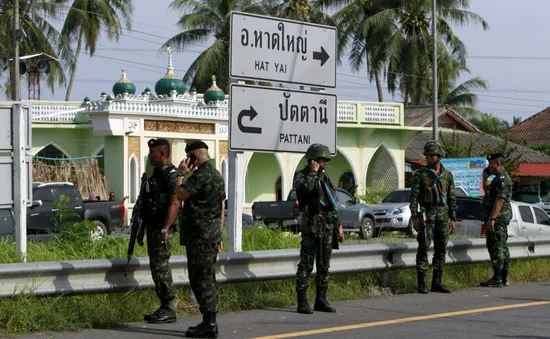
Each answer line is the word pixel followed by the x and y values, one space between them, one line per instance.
pixel 107 215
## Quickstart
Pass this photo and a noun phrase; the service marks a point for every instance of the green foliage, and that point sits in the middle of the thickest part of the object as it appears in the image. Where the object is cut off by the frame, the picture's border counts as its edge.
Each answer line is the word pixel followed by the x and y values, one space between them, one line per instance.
pixel 490 124
pixel 454 148
pixel 544 148
pixel 374 195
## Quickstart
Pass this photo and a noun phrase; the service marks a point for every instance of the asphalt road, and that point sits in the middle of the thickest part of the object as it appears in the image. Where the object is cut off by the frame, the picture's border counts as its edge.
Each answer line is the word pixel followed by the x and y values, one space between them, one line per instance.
pixel 519 311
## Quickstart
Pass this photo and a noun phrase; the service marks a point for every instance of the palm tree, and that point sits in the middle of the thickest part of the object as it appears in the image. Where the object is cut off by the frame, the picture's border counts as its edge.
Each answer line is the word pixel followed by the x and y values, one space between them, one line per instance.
pixel 460 96
pixel 367 42
pixel 490 124
pixel 204 20
pixel 299 10
pixel 86 19
pixel 407 52
pixel 37 36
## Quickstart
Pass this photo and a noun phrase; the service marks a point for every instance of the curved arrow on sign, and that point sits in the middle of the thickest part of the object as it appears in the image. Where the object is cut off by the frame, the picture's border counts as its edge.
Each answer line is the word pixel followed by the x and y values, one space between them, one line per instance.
pixel 251 113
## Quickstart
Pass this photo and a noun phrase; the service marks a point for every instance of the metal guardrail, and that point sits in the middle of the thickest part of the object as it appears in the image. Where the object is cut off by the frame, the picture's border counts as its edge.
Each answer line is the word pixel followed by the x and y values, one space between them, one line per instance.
pixel 107 275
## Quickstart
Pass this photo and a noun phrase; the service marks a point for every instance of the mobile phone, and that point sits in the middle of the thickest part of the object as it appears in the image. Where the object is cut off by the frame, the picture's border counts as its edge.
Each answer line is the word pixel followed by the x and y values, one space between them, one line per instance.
pixel 192 158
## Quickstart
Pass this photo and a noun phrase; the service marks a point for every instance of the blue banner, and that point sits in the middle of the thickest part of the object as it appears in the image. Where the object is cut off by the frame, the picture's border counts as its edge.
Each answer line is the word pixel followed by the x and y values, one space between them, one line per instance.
pixel 467 173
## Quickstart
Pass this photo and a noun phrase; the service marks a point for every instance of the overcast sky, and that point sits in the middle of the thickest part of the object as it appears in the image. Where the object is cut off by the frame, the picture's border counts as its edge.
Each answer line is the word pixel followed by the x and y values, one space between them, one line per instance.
pixel 513 55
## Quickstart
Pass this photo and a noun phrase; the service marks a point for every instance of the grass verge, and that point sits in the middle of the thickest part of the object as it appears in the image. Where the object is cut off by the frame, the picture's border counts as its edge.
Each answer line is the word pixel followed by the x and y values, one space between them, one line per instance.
pixel 26 314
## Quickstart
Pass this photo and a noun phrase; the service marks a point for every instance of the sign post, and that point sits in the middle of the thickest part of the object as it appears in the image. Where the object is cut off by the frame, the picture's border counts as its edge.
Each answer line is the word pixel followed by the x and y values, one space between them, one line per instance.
pixel 15 141
pixel 266 119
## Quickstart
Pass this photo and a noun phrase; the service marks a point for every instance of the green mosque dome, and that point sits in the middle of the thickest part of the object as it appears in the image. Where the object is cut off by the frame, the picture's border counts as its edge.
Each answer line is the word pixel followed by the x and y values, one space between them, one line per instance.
pixel 213 93
pixel 124 85
pixel 169 82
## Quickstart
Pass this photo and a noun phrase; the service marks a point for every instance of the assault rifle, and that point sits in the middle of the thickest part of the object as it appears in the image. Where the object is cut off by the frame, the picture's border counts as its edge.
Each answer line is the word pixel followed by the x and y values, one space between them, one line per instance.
pixel 137 227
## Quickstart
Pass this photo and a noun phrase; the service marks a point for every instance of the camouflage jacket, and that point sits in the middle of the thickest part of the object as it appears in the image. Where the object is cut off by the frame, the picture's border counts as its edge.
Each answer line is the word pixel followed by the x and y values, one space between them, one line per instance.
pixel 316 194
pixel 500 187
pixel 429 189
pixel 201 215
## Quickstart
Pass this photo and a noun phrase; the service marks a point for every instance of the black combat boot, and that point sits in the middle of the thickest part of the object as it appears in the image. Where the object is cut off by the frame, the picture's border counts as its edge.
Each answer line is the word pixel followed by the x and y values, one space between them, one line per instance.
pixel 421 277
pixel 303 305
pixel 321 303
pixel 207 329
pixel 437 286
pixel 495 281
pixel 505 281
pixel 161 316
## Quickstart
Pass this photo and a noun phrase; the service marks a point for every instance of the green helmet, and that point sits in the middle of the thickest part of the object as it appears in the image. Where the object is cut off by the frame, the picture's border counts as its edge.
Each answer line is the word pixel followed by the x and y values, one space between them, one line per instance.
pixel 434 147
pixel 317 151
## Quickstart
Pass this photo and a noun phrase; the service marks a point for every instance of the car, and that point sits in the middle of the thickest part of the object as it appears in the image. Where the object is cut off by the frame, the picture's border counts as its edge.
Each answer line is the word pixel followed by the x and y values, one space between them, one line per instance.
pixel 393 212
pixel 355 216
pixel 528 220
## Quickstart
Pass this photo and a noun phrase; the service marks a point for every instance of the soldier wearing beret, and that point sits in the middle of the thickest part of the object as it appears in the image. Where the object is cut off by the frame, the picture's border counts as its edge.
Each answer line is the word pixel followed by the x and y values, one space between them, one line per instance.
pixel 159 212
pixel 496 215
pixel 201 232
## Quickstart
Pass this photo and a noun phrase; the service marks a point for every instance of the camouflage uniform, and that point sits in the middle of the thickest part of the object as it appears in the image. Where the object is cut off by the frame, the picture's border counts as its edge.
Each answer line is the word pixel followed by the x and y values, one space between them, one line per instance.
pixel 162 183
pixel 500 187
pixel 316 198
pixel 436 196
pixel 201 233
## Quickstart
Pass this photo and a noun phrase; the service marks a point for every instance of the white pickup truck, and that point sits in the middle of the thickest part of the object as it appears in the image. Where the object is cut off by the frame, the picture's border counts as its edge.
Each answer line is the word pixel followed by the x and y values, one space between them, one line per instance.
pixel 528 220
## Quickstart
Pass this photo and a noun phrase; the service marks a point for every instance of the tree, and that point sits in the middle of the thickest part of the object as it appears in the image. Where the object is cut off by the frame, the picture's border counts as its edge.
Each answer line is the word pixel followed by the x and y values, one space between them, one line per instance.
pixel 490 124
pixel 409 47
pixel 454 148
pixel 86 19
pixel 368 43
pixel 37 36
pixel 460 96
pixel 204 20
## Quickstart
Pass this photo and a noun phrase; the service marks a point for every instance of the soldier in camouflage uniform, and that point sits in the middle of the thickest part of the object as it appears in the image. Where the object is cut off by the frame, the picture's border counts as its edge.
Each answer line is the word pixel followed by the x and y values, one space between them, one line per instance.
pixel 201 233
pixel 433 189
pixel 316 198
pixel 496 214
pixel 159 211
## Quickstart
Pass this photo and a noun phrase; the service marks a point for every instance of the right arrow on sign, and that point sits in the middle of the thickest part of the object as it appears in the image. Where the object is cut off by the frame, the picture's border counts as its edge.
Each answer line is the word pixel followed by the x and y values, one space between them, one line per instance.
pixel 251 113
pixel 323 56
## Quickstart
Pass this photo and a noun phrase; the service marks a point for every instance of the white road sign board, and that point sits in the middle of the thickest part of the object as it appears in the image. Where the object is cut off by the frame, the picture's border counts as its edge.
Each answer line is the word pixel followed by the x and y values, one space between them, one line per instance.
pixel 269 119
pixel 273 49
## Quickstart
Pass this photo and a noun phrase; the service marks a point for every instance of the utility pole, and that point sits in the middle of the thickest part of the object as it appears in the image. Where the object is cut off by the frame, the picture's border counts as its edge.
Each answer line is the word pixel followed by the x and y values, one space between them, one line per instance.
pixel 16 95
pixel 434 70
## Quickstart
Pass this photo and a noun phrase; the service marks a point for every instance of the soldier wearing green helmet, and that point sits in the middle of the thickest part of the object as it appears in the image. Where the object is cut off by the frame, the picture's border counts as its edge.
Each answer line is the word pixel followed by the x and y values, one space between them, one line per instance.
pixel 432 189
pixel 316 198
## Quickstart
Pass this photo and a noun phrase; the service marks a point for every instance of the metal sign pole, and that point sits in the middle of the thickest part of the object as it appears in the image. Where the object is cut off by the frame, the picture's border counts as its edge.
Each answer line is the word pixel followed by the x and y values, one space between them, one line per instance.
pixel 20 178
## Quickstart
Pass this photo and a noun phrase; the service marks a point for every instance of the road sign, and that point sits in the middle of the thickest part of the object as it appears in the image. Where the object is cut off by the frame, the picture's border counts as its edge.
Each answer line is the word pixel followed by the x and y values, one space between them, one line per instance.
pixel 280 120
pixel 273 49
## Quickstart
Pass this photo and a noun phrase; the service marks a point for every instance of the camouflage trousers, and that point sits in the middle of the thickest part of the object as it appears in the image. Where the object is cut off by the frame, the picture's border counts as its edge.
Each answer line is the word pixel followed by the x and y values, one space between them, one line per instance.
pixel 159 264
pixel 201 263
pixel 496 242
pixel 318 249
pixel 437 228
